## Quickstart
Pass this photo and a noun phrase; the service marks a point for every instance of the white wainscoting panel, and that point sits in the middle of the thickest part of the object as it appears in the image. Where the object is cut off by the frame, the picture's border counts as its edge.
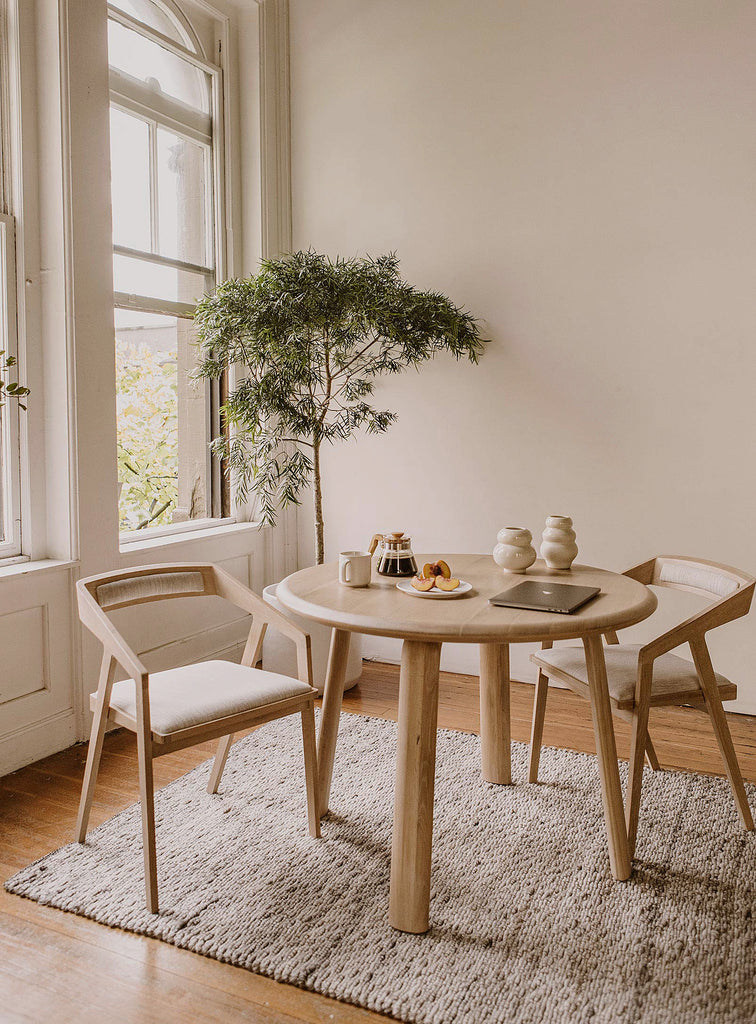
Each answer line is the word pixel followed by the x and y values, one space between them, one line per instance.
pixel 25 645
pixel 37 693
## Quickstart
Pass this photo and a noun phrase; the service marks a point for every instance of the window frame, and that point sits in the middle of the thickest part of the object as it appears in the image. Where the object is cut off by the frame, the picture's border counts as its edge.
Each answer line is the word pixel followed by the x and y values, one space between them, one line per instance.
pixel 132 97
pixel 10 546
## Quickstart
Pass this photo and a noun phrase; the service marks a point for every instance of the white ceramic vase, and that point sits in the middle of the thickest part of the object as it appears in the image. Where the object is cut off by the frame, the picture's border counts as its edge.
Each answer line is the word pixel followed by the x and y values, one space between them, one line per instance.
pixel 514 551
pixel 558 547
pixel 280 654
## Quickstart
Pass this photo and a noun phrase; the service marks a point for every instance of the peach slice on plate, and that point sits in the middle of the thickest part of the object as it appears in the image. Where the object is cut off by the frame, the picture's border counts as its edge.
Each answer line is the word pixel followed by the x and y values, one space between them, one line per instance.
pixel 446 584
pixel 423 583
pixel 437 569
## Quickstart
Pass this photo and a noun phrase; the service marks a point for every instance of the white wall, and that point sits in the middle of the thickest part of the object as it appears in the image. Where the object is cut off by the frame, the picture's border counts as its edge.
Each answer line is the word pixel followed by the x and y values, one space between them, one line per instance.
pixel 580 176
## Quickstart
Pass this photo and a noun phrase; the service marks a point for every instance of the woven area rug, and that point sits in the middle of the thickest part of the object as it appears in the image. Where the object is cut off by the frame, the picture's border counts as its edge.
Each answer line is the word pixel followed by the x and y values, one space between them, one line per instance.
pixel 527 924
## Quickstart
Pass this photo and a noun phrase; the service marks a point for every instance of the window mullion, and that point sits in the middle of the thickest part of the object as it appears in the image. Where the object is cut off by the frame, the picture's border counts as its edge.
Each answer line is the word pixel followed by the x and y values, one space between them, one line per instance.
pixel 212 225
pixel 134 98
pixel 164 261
pixel 154 199
pixel 149 304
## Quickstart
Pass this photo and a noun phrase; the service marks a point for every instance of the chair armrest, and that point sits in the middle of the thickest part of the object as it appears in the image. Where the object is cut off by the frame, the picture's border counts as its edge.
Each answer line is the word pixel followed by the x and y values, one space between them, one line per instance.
pixel 230 589
pixel 643 573
pixel 675 637
pixel 97 622
pixel 728 608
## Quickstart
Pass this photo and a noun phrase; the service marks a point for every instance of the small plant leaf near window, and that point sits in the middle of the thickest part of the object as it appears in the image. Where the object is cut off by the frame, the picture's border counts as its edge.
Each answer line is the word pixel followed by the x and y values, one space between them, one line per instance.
pixel 10 389
pixel 311 335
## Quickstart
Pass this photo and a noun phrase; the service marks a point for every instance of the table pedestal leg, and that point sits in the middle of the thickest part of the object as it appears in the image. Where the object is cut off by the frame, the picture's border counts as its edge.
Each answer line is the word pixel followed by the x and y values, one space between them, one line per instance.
pixel 494 713
pixel 415 778
pixel 603 729
pixel 333 694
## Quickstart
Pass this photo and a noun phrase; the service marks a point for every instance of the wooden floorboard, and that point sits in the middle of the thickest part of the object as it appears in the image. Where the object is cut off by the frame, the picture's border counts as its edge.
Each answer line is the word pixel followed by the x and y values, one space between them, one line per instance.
pixel 57 967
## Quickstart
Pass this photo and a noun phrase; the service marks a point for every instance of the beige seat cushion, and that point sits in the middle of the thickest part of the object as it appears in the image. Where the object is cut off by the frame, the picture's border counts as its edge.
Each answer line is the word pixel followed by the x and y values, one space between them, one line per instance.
pixel 181 698
pixel 672 675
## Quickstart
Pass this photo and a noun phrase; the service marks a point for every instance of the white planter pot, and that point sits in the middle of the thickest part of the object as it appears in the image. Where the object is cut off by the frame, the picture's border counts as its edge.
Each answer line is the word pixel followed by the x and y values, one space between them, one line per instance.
pixel 279 653
pixel 559 549
pixel 514 551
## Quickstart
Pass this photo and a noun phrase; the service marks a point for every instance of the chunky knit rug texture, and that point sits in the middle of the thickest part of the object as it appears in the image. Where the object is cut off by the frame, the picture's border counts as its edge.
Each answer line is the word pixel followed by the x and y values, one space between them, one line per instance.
pixel 527 923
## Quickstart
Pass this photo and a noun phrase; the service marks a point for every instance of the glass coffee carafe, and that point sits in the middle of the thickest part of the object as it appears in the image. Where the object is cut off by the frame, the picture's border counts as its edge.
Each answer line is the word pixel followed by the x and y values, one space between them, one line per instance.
pixel 395 556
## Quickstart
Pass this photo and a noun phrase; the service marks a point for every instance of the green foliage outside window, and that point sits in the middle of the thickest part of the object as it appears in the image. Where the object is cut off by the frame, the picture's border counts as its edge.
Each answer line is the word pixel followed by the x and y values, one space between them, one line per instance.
pixel 146 384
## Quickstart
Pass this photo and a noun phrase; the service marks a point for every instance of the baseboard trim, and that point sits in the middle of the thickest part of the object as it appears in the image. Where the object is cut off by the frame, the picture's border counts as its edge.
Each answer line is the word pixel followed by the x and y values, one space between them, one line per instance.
pixel 33 742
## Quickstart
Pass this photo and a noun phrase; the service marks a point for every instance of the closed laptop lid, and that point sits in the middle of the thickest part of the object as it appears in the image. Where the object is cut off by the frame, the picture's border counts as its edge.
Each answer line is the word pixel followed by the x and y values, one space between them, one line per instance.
pixel 544 596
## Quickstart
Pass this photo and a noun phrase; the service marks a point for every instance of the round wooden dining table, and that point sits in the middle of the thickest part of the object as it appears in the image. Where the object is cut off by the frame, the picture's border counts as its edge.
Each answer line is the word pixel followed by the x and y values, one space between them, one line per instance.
pixel 424 624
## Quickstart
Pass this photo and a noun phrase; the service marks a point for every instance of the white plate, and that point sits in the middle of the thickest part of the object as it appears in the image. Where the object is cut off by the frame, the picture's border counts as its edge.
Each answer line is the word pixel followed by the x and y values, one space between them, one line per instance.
pixel 406 588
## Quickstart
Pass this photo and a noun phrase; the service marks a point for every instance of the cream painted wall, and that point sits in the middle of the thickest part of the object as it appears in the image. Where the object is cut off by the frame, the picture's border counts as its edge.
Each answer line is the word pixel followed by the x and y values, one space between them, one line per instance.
pixel 579 175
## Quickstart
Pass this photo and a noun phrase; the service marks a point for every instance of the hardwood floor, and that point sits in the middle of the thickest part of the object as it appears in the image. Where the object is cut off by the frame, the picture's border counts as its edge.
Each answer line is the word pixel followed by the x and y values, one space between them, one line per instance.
pixel 56 967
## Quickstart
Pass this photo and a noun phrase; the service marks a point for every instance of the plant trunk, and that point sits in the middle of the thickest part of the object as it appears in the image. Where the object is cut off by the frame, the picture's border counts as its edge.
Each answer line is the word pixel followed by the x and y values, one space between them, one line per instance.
pixel 318 504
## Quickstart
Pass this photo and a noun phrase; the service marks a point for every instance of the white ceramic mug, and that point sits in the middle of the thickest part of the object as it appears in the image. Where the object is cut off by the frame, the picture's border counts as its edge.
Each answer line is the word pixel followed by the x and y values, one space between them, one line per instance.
pixel 354 568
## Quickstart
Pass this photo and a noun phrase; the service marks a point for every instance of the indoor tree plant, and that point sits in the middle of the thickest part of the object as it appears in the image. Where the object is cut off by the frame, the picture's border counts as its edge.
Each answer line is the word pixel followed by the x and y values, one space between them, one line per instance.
pixel 309 336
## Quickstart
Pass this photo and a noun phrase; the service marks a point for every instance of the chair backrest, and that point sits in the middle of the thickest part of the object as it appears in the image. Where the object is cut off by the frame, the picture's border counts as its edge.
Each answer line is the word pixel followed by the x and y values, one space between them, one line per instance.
pixel 151 583
pixel 100 595
pixel 707 579
pixel 728 590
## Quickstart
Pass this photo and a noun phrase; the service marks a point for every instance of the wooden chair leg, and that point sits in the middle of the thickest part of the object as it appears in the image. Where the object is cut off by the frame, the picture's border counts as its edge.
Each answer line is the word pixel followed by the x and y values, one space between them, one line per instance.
pixel 721 729
pixel 311 768
pixel 651 759
pixel 224 745
pixel 639 744
pixel 147 802
pixel 99 722
pixel 146 795
pixel 333 696
pixel 536 731
pixel 606 750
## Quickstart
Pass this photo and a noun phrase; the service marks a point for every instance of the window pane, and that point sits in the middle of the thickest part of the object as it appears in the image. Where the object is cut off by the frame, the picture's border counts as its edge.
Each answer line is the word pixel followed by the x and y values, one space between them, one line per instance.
pixel 163 71
pixel 130 179
pixel 182 188
pixel 149 14
pixel 140 277
pixel 162 423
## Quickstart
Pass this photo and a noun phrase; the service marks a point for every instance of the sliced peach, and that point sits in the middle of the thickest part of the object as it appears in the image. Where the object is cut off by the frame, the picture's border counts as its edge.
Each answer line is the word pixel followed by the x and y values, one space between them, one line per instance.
pixel 439 568
pixel 446 584
pixel 423 583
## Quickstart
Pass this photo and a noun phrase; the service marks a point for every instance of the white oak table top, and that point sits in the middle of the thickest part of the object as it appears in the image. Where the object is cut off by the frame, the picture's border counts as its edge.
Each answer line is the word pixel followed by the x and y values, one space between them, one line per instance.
pixel 382 610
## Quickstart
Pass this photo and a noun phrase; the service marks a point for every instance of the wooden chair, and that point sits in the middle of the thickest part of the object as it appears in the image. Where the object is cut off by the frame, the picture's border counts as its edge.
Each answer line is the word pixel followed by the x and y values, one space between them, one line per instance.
pixel 642 677
pixel 184 706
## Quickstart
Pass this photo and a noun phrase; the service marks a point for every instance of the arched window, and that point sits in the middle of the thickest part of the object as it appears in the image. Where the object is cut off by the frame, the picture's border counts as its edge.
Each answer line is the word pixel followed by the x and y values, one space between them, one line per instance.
pixel 167 191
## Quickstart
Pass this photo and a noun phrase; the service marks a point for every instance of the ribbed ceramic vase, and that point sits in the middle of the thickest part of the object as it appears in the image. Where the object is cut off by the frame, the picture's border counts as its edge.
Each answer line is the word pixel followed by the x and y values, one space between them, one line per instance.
pixel 514 551
pixel 558 547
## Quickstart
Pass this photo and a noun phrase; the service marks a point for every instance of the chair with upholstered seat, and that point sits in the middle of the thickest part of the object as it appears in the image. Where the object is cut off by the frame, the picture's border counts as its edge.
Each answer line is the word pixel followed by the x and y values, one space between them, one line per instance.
pixel 184 706
pixel 642 677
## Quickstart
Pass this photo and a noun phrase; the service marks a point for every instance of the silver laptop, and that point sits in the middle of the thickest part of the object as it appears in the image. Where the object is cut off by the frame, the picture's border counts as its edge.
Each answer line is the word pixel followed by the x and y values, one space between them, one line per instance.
pixel 545 597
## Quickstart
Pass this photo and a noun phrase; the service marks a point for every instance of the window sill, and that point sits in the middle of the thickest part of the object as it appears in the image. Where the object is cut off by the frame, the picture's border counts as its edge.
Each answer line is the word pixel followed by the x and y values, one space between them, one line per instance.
pixel 42 565
pixel 164 540
pixel 173 529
